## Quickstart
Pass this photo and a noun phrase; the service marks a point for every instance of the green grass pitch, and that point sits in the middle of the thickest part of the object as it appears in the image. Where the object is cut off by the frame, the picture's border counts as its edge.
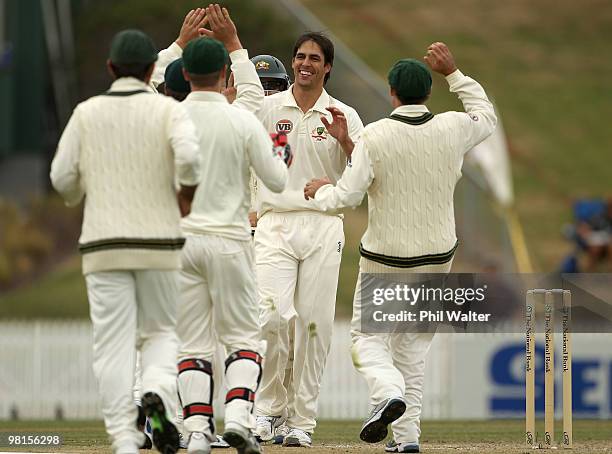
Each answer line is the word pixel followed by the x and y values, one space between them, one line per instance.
pixel 496 436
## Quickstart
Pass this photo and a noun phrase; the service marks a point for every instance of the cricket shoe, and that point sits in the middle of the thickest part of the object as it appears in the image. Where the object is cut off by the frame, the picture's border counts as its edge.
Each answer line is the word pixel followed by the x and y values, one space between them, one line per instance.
pixel 146 429
pixel 280 433
pixel 143 425
pixel 148 443
pixel 409 447
pixel 198 443
pixel 266 426
pixel 297 438
pixel 128 447
pixel 375 427
pixel 165 435
pixel 242 439
pixel 183 442
pixel 219 443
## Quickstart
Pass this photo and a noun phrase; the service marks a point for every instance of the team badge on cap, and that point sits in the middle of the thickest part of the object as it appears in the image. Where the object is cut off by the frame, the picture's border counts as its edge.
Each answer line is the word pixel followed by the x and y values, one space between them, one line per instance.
pixel 262 65
pixel 318 134
pixel 284 126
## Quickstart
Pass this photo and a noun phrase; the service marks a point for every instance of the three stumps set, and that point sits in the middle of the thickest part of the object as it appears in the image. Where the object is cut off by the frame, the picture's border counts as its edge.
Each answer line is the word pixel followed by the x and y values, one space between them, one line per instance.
pixel 534 297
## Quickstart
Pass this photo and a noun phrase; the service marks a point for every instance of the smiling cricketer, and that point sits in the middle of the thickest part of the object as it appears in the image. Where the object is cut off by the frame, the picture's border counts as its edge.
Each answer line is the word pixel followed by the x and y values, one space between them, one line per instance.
pixel 298 247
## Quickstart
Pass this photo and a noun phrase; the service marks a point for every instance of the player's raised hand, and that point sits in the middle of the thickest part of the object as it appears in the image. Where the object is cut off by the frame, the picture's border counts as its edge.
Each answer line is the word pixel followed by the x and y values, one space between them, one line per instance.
pixel 221 27
pixel 338 128
pixel 194 20
pixel 313 186
pixel 440 59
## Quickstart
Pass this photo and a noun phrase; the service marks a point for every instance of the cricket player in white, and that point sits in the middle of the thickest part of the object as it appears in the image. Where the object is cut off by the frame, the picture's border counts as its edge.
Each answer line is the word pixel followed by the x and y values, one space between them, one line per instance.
pixel 409 165
pixel 218 289
pixel 120 151
pixel 298 246
pixel 194 20
pixel 274 79
pixel 247 93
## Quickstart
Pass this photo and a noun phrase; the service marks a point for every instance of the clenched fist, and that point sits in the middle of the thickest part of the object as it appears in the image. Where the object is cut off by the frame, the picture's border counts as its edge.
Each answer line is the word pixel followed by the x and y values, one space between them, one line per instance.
pixel 440 59
pixel 313 186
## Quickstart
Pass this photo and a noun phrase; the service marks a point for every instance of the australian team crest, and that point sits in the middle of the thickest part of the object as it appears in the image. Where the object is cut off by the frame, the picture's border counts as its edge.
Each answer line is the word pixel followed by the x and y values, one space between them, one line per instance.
pixel 262 65
pixel 319 133
pixel 284 126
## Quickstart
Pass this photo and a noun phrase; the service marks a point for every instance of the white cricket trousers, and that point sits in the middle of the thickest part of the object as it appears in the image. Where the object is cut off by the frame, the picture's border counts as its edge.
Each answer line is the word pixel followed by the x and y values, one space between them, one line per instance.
pixel 218 305
pixel 298 258
pixel 393 364
pixel 132 310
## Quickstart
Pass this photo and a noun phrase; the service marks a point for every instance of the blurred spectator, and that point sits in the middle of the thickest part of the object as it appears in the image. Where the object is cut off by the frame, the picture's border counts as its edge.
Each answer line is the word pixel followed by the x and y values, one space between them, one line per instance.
pixel 591 233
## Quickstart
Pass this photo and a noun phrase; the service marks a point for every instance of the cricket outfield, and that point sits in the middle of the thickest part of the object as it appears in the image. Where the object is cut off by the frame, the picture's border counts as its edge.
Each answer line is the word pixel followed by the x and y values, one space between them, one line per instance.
pixel 332 436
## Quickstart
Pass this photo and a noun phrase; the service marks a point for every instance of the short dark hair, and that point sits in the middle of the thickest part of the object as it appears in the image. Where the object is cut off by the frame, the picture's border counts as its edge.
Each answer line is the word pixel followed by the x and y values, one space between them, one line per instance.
pixel 324 43
pixel 174 94
pixel 137 70
pixel 205 80
pixel 408 101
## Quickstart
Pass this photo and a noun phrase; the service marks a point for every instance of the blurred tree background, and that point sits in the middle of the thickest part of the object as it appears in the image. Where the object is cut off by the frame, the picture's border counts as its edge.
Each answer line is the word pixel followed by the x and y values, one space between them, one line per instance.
pixel 39 268
pixel 545 64
pixel 260 28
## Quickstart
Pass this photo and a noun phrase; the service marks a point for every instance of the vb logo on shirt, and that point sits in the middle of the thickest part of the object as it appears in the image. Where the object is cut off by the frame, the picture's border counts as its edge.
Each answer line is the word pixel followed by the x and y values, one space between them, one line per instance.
pixel 284 126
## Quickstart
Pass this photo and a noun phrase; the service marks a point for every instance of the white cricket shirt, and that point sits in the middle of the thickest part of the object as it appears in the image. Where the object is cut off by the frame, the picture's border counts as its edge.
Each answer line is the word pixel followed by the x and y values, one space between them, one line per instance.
pixel 316 153
pixel 231 140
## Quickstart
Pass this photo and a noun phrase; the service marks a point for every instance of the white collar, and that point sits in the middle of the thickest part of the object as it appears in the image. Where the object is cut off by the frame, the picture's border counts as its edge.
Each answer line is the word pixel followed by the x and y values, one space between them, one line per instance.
pixel 129 84
pixel 411 110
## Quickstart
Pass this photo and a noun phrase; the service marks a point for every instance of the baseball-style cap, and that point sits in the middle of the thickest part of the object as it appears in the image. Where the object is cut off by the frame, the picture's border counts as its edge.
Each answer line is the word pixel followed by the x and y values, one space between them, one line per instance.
pixel 204 56
pixel 132 46
pixel 410 78
pixel 174 78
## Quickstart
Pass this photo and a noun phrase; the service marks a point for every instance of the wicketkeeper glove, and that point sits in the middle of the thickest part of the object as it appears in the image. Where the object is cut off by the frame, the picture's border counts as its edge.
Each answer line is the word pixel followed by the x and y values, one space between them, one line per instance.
pixel 281 147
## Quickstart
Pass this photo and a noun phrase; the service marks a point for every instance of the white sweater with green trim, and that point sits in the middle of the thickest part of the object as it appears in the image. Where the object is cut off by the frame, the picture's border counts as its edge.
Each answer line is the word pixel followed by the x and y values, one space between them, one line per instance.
pixel 122 151
pixel 409 165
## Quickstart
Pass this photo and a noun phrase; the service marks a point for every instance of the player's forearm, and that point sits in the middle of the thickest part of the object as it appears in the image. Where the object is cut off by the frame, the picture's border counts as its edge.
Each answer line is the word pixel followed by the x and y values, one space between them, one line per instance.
pixel 273 174
pixel 164 58
pixel 65 179
pixel 249 92
pixel 472 96
pixel 351 188
pixel 65 175
pixel 332 198
pixel 347 146
pixel 186 147
pixel 187 163
pixel 233 44
pixel 69 187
